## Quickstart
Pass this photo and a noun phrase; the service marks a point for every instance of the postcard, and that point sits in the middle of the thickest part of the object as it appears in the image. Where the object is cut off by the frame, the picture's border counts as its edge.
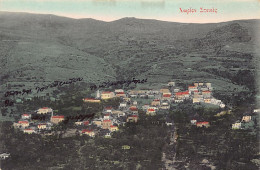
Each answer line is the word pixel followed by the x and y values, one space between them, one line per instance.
pixel 129 84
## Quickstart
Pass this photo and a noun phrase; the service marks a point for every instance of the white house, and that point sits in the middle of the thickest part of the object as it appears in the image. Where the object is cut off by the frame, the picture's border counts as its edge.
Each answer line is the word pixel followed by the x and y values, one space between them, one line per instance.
pixel 236 125
pixel 122 105
pixel 44 110
pixel 26 116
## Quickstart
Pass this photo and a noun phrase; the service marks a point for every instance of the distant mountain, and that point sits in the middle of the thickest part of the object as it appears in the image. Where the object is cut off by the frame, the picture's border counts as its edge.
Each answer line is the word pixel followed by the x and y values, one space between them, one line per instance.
pixel 40 48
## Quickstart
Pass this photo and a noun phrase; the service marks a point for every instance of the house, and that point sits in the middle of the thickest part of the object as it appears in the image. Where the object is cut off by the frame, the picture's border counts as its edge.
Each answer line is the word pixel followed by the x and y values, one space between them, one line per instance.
pixel 106 124
pixel 107 95
pixel 120 94
pixel 165 91
pixel 151 112
pixel 208 85
pixel 126 147
pixel 29 131
pixel 86 123
pixel 192 88
pixel 156 102
pixel 42 126
pixel 26 116
pixel 207 100
pixel 23 124
pixel 79 123
pixel 150 95
pixel 4 156
pixel 246 118
pixel 206 94
pixel 145 107
pixel 127 99
pixel 182 95
pixel 132 118
pixel 196 100
pixel 165 107
pixel 196 84
pixel 155 92
pixel 88 132
pixel 118 113
pixel 133 95
pixel 165 103
pixel 119 90
pixel 122 105
pixel 108 135
pixel 171 83
pixel 193 121
pixel 166 96
pixel 108 109
pixel 106 116
pixel 57 119
pixel 256 110
pixel 168 121
pixel 202 124
pixel 178 100
pixel 97 122
pixel 176 90
pixel 44 110
pixel 91 100
pixel 222 105
pixel 135 102
pixel 236 125
pixel 113 128
pixel 133 109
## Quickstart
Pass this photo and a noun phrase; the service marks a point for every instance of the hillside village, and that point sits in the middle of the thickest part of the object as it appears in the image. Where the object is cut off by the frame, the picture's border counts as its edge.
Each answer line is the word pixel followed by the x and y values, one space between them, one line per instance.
pixel 44 119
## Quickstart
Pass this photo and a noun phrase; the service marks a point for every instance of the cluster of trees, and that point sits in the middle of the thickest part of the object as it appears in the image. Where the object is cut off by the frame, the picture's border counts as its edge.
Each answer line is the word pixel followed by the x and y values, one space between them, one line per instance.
pixel 146 139
pixel 222 146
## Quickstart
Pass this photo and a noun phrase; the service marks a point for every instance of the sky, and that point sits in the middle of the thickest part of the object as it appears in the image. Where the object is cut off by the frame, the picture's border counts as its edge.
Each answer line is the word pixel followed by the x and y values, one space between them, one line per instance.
pixel 166 10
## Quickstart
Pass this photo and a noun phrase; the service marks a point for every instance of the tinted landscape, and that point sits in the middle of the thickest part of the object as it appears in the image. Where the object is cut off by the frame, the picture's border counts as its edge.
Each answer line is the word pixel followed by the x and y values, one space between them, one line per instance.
pixel 36 50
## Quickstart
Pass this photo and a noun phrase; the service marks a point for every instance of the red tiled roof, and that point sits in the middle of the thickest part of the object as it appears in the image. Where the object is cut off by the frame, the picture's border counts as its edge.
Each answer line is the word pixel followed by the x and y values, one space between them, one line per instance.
pixel 133 116
pixel 45 108
pixel 166 95
pixel 106 92
pixel 199 123
pixel 27 129
pixel 26 115
pixel 57 117
pixel 112 126
pixel 151 110
pixel 106 120
pixel 86 122
pixel 156 100
pixel 120 93
pixel 192 86
pixel 108 108
pixel 107 114
pixel 41 124
pixel 206 91
pixel 133 108
pixel 23 122
pixel 86 130
pixel 88 99
pixel 182 93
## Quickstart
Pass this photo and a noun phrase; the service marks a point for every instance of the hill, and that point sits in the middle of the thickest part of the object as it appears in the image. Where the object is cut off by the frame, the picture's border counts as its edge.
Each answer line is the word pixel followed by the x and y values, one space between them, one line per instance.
pixel 44 48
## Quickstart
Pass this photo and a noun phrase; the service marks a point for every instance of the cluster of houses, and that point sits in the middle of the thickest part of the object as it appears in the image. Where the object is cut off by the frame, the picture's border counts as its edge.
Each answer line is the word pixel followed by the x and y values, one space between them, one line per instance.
pixel 39 121
pixel 42 120
pixel 245 120
pixel 162 98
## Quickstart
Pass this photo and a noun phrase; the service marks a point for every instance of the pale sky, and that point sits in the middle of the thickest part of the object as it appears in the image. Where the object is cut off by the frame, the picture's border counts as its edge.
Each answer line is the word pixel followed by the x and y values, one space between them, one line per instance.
pixel 167 10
